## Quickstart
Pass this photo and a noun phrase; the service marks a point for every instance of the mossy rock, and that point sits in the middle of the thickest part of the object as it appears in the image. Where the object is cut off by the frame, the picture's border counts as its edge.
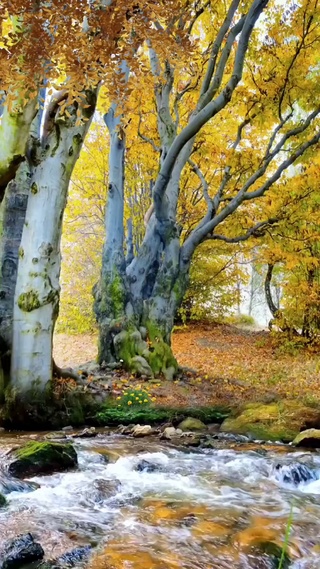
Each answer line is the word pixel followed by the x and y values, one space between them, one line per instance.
pixel 191 424
pixel 278 421
pixel 41 457
pixel 309 438
pixel 3 501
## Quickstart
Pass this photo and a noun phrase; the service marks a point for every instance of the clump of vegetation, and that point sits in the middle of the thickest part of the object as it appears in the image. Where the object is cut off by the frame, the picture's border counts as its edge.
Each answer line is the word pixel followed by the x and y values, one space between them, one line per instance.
pixel 240 320
pixel 135 398
pixel 148 415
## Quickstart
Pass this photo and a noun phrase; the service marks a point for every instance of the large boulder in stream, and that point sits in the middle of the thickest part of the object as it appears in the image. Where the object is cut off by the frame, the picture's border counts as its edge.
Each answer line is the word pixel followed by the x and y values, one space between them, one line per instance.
pixel 40 458
pixel 278 421
pixel 309 438
pixel 20 551
pixel 190 424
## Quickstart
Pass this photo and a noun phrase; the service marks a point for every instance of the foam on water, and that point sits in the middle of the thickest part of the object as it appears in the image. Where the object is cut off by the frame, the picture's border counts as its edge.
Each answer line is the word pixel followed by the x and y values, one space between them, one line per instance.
pixel 228 484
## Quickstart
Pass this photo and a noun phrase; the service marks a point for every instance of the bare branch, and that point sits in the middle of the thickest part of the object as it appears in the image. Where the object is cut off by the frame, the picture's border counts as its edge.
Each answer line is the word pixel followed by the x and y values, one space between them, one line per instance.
pixel 257 230
pixel 203 181
pixel 210 110
pixel 275 132
pixel 217 45
pixel 198 13
pixel 202 231
pixel 146 138
pixel 217 80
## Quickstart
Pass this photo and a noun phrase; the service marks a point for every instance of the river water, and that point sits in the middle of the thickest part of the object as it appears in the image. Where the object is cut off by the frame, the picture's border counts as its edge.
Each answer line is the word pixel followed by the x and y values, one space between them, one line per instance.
pixel 196 509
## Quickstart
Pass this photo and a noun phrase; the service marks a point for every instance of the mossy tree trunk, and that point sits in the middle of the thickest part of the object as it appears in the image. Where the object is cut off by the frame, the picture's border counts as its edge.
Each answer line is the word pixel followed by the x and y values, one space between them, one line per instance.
pixel 37 292
pixel 147 297
pixel 136 304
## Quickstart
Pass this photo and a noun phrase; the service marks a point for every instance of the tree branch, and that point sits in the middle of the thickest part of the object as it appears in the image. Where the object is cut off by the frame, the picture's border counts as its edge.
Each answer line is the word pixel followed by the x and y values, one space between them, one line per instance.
pixel 217 45
pixel 210 110
pixel 257 231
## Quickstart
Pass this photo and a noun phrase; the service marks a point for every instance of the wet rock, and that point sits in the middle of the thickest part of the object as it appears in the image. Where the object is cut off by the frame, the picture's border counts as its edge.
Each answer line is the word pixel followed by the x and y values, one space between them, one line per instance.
pixel 193 441
pixel 20 551
pixel 309 438
pixel 107 454
pixel 74 557
pixel 41 457
pixel 294 473
pixel 2 429
pixel 104 489
pixel 67 428
pixel 8 485
pixel 3 501
pixel 55 436
pixel 146 466
pixel 213 428
pixel 125 429
pixel 142 431
pixel 86 433
pixel 278 421
pixel 190 424
pixel 169 433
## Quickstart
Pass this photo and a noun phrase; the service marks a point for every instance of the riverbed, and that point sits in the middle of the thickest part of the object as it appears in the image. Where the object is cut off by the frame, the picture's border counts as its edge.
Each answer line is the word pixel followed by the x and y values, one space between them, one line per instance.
pixel 143 504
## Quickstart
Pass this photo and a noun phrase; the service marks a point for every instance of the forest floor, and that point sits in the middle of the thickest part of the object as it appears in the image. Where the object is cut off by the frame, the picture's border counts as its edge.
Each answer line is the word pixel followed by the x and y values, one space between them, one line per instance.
pixel 228 365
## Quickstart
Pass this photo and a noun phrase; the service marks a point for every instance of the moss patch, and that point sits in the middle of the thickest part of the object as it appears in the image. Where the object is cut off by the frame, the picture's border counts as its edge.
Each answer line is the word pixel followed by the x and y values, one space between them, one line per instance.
pixel 277 421
pixel 37 457
pixel 161 356
pixel 29 301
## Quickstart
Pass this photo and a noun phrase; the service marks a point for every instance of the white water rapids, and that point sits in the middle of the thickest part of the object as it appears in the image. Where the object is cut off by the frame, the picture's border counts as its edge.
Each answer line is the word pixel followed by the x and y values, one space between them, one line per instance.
pixel 196 510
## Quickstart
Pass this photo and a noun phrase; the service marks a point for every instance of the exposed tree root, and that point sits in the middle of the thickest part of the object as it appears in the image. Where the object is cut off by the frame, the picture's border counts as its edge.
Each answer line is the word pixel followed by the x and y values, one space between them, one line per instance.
pixel 65 373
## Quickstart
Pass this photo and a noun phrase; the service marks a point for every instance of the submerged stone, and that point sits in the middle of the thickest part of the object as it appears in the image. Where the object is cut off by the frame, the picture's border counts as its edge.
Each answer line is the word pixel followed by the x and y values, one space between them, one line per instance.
pixel 41 457
pixel 74 557
pixel 8 485
pixel 3 501
pixel 20 551
pixel 294 473
pixel 146 466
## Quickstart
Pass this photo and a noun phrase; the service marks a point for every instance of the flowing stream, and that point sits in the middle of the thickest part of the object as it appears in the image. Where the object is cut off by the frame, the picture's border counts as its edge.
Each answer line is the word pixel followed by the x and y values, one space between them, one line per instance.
pixel 151 506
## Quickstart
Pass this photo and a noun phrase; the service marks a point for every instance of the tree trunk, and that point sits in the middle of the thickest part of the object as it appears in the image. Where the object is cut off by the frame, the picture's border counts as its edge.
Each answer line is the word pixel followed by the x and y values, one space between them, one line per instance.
pixel 267 287
pixel 14 134
pixel 139 336
pixel 13 211
pixel 12 217
pixel 111 291
pixel 37 292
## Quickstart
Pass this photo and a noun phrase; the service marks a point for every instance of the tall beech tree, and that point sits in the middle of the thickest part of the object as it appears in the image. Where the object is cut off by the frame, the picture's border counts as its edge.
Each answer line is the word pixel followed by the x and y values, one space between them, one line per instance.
pixel 237 103
pixel 38 52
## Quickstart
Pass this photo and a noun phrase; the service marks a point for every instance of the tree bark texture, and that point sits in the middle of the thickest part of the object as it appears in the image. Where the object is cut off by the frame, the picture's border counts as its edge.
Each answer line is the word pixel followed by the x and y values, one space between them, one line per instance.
pixel 37 292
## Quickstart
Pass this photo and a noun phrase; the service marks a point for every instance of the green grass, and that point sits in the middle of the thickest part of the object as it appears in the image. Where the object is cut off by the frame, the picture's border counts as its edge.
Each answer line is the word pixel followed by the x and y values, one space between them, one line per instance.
pixel 284 559
pixel 157 415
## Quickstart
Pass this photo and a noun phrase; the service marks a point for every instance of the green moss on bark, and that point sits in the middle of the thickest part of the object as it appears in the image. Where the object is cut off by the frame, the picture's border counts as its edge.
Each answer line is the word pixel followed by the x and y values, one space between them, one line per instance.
pixel 29 301
pixel 161 357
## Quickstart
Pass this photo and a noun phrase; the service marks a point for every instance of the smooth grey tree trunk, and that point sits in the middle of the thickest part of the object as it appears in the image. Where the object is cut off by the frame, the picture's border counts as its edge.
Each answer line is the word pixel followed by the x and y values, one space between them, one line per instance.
pixel 37 291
